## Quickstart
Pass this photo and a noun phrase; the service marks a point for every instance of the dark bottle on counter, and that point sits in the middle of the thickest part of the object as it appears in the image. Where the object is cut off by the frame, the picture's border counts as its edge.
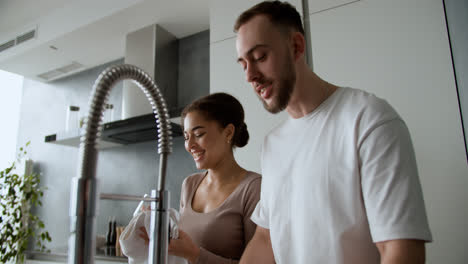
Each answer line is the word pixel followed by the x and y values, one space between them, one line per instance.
pixel 114 232
pixel 109 233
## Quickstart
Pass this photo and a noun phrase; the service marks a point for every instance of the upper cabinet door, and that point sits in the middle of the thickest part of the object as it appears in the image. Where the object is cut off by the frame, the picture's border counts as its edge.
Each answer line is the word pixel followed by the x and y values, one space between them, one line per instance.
pixel 223 14
pixel 320 5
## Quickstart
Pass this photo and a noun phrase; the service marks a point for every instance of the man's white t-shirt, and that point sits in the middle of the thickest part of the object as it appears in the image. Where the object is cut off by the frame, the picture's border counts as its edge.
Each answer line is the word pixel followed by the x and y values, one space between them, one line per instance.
pixel 338 180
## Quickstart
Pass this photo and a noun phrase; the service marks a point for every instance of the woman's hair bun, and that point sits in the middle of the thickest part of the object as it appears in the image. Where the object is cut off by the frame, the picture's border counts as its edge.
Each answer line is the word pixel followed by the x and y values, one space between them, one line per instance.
pixel 241 136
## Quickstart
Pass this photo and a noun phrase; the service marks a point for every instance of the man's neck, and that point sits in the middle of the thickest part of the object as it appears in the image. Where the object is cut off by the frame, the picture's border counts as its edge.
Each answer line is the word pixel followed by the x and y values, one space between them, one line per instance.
pixel 310 92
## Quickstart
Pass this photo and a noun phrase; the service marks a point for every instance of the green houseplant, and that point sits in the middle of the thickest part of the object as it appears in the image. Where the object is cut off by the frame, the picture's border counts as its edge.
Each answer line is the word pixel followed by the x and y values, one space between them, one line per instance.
pixel 17 223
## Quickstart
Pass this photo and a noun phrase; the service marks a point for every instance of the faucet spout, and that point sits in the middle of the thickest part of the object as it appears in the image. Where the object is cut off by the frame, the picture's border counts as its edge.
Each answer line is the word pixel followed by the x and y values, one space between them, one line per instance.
pixel 84 190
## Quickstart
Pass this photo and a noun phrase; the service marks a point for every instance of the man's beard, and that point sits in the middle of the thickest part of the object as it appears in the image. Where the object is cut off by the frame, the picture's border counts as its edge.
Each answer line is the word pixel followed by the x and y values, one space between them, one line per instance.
pixel 285 89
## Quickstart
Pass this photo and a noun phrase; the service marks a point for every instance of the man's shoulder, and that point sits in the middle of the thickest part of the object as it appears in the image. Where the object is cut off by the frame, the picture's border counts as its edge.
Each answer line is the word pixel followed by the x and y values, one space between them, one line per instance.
pixel 347 106
pixel 364 103
pixel 277 128
pixel 361 98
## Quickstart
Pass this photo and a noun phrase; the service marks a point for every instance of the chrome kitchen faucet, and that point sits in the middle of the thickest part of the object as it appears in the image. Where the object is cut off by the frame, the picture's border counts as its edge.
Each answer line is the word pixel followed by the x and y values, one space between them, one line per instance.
pixel 84 189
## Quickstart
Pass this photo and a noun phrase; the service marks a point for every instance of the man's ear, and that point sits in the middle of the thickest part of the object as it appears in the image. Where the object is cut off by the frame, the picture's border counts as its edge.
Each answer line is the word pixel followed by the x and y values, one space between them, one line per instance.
pixel 299 44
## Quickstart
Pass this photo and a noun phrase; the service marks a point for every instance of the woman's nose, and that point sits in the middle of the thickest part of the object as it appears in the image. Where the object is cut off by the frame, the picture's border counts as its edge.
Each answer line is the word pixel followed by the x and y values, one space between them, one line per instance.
pixel 189 143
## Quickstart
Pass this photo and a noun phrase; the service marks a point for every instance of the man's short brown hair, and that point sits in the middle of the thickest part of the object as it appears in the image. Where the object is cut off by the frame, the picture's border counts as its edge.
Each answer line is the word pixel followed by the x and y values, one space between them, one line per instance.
pixel 280 14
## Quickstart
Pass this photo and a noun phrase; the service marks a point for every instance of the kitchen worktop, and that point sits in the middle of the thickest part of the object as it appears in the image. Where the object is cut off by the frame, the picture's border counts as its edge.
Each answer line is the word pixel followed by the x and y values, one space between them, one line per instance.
pixel 59 255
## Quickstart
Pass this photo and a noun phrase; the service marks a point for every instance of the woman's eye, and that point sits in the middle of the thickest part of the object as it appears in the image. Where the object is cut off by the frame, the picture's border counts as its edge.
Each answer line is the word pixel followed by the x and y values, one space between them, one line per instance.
pixel 199 135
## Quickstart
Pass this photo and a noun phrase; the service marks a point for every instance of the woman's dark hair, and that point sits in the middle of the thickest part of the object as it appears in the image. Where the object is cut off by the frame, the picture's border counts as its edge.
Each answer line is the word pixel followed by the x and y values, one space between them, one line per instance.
pixel 280 13
pixel 224 109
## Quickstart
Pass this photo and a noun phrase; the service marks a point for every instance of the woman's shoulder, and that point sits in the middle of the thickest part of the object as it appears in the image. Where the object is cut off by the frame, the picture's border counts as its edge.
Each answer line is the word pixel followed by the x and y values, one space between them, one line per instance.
pixel 252 176
pixel 250 192
pixel 252 181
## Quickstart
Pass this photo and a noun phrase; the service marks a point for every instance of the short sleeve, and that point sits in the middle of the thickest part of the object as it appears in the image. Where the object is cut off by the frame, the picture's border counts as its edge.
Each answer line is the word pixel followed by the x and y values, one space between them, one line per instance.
pixel 260 213
pixel 390 184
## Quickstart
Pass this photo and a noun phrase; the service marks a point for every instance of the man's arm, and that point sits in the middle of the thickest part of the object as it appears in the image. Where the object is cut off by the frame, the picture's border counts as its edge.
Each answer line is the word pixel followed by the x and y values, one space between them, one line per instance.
pixel 402 251
pixel 259 250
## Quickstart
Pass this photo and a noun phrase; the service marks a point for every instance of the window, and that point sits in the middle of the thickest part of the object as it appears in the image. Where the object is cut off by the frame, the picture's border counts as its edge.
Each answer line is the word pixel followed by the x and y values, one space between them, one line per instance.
pixel 11 88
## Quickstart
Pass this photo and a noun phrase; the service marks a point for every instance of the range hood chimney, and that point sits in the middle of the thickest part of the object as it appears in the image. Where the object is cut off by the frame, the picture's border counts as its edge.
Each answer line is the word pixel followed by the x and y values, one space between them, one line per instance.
pixel 180 68
pixel 156 51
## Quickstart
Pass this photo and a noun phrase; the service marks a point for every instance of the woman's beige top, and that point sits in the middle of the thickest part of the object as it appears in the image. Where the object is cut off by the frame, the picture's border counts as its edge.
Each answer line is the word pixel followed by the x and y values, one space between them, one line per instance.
pixel 223 233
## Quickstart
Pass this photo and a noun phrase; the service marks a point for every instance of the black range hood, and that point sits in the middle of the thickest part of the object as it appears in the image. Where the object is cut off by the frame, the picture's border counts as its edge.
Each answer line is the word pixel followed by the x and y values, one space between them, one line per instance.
pixel 137 129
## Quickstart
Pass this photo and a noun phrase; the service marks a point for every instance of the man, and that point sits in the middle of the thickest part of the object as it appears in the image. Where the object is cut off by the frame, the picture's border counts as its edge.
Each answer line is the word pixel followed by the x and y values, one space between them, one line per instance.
pixel 340 182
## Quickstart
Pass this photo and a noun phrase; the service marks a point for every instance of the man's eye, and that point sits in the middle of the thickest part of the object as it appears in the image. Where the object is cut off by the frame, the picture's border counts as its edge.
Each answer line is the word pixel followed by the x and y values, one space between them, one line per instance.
pixel 261 58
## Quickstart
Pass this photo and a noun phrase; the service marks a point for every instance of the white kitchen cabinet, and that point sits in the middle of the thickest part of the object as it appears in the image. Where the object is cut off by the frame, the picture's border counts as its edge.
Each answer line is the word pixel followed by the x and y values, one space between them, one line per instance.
pixel 223 14
pixel 399 51
pixel 395 49
pixel 321 5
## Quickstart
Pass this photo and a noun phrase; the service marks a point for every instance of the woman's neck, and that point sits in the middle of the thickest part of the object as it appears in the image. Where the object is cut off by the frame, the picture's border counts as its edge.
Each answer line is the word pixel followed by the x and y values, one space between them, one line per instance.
pixel 226 173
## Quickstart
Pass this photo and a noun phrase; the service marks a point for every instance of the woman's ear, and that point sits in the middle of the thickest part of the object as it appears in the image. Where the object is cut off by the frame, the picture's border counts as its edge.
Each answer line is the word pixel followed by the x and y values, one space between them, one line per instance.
pixel 229 131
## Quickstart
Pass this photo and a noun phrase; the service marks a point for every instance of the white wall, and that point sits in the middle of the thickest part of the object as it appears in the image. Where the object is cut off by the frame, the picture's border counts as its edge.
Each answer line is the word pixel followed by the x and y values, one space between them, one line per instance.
pixel 398 50
pixel 11 87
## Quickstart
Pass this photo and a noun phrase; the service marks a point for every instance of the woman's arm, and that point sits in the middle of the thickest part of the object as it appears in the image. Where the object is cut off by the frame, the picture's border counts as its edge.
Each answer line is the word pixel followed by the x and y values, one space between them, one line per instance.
pixel 259 250
pixel 184 247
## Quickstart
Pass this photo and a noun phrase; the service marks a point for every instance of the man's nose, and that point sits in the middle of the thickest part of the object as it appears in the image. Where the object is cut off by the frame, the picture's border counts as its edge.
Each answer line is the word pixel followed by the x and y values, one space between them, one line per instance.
pixel 251 73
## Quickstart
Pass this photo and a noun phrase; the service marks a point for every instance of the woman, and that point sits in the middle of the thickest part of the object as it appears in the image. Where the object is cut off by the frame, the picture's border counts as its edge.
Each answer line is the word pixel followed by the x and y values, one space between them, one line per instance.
pixel 216 204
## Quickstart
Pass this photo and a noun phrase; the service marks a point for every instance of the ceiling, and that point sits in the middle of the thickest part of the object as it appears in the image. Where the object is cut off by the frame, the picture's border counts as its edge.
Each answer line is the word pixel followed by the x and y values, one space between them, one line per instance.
pixel 73 35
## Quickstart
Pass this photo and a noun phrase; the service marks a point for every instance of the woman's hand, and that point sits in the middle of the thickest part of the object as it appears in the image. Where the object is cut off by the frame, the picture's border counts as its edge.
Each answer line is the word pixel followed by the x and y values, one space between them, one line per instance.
pixel 184 247
pixel 181 247
pixel 142 230
pixel 143 235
